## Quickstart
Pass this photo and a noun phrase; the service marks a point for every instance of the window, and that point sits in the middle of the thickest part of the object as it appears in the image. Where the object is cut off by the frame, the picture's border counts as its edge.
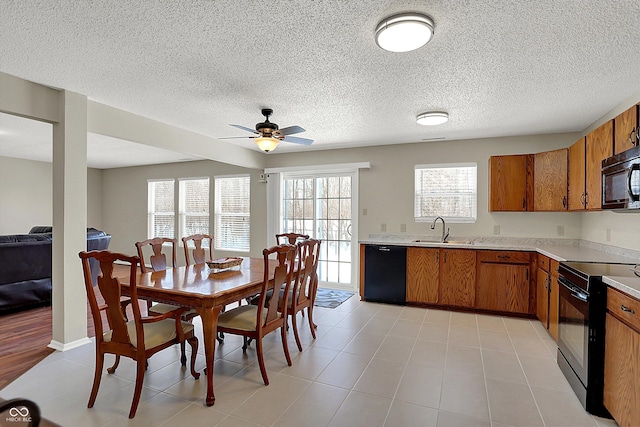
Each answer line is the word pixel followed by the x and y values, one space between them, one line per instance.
pixel 447 190
pixel 161 213
pixel 232 213
pixel 194 206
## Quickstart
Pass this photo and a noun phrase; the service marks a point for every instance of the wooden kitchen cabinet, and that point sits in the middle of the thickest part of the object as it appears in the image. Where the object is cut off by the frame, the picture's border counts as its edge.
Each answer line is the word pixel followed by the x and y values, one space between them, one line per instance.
pixel 423 275
pixel 576 178
pixel 554 299
pixel 585 168
pixel 547 294
pixel 503 281
pixel 625 130
pixel 511 183
pixel 621 361
pixel 550 180
pixel 543 280
pixel 457 277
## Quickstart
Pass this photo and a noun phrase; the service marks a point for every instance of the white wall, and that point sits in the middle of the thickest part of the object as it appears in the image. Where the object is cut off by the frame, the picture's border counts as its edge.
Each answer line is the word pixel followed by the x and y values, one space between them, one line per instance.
pixel 386 190
pixel 124 201
pixel 26 195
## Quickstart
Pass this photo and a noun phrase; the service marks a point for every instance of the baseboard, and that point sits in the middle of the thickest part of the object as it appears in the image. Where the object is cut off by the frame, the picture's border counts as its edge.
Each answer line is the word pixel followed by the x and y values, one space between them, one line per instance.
pixel 57 345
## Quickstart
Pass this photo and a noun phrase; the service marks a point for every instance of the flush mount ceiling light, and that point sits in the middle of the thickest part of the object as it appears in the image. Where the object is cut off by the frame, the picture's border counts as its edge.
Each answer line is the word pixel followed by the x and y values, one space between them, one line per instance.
pixel 267 144
pixel 432 118
pixel 404 32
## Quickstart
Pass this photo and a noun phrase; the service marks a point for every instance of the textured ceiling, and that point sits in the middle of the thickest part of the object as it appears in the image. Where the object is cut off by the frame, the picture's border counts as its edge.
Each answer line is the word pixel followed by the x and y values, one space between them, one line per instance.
pixel 499 68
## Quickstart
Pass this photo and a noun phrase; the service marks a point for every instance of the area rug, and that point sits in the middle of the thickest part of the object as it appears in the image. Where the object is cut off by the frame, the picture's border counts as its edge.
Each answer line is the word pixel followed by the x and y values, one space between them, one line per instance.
pixel 331 298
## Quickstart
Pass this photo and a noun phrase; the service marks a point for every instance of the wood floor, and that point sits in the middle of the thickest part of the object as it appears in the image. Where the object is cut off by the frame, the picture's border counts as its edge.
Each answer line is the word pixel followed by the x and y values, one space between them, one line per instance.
pixel 24 337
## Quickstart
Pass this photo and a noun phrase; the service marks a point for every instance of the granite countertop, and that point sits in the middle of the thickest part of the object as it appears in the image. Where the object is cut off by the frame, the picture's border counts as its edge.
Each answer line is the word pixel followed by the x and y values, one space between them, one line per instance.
pixel 628 285
pixel 558 249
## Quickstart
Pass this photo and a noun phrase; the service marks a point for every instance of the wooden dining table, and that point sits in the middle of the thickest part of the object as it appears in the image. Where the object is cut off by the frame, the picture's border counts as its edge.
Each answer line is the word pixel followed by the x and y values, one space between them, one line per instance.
pixel 205 290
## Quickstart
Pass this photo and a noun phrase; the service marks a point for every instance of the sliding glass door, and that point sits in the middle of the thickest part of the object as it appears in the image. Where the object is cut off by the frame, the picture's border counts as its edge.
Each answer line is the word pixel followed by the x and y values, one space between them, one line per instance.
pixel 320 205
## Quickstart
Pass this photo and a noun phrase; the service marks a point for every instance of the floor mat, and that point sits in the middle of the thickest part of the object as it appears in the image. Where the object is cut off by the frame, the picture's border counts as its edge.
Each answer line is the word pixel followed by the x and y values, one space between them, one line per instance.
pixel 331 298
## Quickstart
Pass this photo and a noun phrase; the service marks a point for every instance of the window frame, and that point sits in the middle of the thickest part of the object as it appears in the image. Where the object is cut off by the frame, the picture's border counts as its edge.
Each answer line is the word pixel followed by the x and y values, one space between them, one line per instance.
pixel 151 214
pixel 450 219
pixel 220 242
pixel 182 215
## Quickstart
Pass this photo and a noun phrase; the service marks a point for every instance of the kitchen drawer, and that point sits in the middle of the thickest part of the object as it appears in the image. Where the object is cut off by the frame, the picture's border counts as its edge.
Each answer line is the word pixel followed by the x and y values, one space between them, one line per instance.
pixel 624 307
pixel 504 257
pixel 543 262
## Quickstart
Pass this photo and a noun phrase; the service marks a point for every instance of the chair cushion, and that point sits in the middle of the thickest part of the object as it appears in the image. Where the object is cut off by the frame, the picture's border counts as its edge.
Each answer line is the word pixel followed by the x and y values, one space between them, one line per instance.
pixel 165 308
pixel 242 318
pixel 154 333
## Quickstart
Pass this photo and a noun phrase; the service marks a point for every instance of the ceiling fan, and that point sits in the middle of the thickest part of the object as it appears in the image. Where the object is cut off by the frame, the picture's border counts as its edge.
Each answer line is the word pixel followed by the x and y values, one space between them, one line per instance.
pixel 269 135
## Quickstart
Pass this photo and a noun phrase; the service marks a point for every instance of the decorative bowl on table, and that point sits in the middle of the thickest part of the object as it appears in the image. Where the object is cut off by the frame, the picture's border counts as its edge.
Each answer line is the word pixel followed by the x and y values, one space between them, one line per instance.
pixel 223 264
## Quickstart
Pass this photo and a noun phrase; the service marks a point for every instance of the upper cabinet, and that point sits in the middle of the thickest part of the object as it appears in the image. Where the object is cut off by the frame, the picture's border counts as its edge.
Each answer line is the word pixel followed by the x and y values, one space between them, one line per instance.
pixel 598 146
pixel 511 183
pixel 585 168
pixel 550 180
pixel 625 130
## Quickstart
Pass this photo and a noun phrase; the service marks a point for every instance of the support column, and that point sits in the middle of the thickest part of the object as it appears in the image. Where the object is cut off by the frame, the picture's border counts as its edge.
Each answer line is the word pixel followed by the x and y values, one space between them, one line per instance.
pixel 69 222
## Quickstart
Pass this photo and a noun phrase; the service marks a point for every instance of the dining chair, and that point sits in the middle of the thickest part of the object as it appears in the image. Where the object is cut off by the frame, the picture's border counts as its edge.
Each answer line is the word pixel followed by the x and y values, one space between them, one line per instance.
pixel 138 339
pixel 290 238
pixel 198 252
pixel 256 321
pixel 303 292
pixel 159 263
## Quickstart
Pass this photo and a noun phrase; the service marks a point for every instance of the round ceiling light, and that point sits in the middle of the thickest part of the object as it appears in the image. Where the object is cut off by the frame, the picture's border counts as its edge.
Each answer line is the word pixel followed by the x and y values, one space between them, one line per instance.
pixel 404 32
pixel 432 118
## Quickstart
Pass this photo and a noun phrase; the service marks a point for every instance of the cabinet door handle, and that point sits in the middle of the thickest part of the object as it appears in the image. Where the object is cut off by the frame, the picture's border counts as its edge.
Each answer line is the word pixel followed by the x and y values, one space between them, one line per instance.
pixel 524 203
pixel 564 202
pixel 627 310
pixel 632 137
pixel 437 256
pixel 504 256
pixel 445 257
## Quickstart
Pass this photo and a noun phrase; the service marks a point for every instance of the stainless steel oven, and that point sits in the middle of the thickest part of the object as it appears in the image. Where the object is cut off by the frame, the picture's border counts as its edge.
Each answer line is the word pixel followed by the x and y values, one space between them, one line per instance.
pixel 581 329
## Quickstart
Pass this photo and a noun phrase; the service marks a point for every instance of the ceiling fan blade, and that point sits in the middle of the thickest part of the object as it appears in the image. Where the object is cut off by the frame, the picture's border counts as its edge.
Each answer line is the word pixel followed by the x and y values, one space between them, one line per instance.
pixel 244 128
pixel 297 140
pixel 238 137
pixel 290 130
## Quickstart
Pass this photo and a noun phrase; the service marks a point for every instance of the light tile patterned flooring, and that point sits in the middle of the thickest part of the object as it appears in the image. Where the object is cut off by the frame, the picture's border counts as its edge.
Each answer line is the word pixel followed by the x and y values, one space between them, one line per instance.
pixel 371 365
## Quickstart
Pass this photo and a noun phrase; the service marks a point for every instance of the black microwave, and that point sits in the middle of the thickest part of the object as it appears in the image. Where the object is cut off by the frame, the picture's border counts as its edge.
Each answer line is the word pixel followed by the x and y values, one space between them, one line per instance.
pixel 621 180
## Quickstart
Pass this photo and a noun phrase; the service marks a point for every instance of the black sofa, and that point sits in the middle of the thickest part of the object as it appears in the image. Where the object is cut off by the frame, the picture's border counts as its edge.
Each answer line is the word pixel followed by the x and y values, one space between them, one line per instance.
pixel 25 267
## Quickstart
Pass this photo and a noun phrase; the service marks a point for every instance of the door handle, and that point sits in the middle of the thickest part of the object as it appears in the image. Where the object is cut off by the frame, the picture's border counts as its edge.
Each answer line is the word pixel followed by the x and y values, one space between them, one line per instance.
pixel 632 137
pixel 627 310
pixel 634 168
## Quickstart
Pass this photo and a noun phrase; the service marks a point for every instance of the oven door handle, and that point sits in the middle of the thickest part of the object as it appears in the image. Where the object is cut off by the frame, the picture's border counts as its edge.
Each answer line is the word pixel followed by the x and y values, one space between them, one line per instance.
pixel 576 292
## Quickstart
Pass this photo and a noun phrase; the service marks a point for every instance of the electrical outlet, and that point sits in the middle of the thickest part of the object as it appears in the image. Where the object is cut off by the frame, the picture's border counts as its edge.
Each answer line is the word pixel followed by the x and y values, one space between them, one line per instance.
pixel 496 230
pixel 608 234
pixel 383 227
pixel 403 228
pixel 364 211
pixel 560 230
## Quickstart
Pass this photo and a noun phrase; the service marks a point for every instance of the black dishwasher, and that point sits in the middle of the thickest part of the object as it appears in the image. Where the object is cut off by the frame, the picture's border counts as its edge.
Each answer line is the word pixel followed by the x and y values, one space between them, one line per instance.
pixel 385 274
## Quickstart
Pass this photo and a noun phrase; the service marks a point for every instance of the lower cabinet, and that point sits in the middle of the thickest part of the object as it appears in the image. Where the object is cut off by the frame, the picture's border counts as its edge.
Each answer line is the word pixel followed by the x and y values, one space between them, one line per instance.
pixel 423 275
pixel 503 281
pixel 621 361
pixel 547 294
pixel 457 277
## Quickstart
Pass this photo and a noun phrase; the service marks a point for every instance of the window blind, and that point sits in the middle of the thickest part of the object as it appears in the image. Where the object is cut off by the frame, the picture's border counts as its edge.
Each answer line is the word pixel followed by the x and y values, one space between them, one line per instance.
pixel 161 213
pixel 449 191
pixel 232 213
pixel 193 212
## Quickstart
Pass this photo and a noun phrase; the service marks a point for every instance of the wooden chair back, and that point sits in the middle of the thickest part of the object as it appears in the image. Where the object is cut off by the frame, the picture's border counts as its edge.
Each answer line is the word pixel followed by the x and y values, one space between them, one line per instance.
pixel 282 279
pixel 290 238
pixel 304 290
pixel 111 292
pixel 198 252
pixel 158 259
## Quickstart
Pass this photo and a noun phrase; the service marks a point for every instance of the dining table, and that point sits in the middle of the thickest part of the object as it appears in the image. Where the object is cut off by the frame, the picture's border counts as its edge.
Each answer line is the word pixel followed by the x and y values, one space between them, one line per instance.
pixel 207 291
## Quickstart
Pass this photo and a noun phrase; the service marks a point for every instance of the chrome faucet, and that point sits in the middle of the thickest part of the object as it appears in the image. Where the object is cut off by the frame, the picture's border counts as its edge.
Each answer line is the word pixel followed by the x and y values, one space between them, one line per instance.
pixel 444 237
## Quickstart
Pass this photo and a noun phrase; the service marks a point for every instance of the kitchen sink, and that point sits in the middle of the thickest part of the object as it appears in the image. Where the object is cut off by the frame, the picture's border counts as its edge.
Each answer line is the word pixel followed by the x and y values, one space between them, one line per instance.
pixel 448 242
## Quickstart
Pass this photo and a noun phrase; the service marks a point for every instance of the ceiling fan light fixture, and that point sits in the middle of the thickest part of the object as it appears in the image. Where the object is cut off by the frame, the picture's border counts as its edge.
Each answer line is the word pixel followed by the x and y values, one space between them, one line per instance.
pixel 404 32
pixel 432 118
pixel 267 144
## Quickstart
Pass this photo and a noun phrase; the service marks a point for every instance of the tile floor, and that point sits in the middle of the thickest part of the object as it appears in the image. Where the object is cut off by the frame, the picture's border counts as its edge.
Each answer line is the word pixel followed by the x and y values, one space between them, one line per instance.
pixel 371 365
